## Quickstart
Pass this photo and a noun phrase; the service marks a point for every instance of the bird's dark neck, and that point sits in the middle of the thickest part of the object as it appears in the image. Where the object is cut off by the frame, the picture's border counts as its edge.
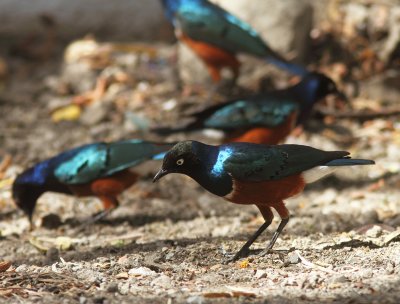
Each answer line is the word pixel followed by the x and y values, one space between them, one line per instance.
pixel 215 181
pixel 306 92
pixel 218 185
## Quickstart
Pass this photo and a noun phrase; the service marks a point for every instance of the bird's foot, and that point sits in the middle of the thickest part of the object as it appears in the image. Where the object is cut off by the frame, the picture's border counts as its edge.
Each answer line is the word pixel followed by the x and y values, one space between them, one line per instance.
pixel 282 253
pixel 93 219
pixel 232 257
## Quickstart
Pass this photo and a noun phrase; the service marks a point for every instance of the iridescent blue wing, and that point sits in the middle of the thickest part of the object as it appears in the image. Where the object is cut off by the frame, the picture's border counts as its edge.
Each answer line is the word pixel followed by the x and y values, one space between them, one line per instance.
pixel 241 114
pixel 256 163
pixel 104 159
pixel 209 23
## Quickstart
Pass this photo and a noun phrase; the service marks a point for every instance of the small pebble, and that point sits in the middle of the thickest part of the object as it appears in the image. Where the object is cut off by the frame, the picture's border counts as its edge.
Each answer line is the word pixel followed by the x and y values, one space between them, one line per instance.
pixel 51 221
pixel 293 258
pixel 374 232
pixel 260 274
pixel 52 255
pixel 112 287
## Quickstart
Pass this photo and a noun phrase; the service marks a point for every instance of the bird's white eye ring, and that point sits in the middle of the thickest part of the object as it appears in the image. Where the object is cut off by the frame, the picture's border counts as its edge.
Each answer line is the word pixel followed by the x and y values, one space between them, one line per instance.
pixel 180 162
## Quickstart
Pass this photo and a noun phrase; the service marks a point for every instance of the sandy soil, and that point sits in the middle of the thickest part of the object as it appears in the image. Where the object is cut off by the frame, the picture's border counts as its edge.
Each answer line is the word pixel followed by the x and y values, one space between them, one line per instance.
pixel 166 241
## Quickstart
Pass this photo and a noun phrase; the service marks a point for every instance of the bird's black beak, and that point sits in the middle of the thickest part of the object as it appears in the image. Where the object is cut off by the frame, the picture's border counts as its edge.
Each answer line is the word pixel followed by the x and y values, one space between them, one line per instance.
pixel 160 174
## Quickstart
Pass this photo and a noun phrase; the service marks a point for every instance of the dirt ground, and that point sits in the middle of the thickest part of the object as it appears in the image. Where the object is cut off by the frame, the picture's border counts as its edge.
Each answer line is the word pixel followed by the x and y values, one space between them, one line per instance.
pixel 166 242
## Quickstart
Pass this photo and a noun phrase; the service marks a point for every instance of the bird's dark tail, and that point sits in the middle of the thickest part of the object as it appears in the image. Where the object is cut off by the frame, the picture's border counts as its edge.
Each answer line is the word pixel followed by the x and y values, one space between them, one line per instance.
pixel 349 162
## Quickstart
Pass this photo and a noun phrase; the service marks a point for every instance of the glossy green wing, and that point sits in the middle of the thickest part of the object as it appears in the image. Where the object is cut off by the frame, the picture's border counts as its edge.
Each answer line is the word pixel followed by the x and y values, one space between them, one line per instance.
pixel 211 24
pixel 256 163
pixel 105 159
pixel 265 112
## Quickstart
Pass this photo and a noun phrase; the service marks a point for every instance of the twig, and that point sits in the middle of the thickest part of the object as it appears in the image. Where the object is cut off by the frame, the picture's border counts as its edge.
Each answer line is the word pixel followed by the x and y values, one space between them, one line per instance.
pixel 309 264
pixel 364 115
pixel 16 288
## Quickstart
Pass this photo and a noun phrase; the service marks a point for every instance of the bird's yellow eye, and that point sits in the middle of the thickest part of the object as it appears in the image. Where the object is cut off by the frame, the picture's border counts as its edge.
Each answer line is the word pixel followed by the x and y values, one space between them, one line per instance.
pixel 180 162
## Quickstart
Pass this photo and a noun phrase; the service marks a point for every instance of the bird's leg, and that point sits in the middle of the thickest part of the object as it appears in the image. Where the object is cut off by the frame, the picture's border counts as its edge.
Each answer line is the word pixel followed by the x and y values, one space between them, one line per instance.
pixel 109 204
pixel 100 215
pixel 244 251
pixel 275 237
pixel 215 73
pixel 284 214
pixel 31 224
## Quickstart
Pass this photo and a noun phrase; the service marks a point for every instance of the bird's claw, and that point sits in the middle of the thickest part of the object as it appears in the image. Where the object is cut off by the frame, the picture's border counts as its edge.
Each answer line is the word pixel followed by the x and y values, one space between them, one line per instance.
pixel 232 257
pixel 228 258
pixel 268 251
pixel 264 253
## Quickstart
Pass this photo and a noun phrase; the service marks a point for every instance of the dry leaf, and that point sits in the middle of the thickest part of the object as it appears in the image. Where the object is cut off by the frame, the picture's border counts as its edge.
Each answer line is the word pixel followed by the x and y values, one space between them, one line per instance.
pixel 69 113
pixel 244 264
pixel 4 265
pixel 217 294
pixel 122 275
pixel 242 291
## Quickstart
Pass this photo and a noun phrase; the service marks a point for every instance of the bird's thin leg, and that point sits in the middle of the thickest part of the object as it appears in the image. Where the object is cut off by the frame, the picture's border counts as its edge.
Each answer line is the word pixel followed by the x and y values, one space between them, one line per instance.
pixel 110 203
pixel 99 216
pixel 244 251
pixel 275 236
pixel 31 224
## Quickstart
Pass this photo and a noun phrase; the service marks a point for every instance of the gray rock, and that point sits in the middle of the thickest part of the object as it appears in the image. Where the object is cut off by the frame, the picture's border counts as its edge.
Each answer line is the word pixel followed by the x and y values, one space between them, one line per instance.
pixel 374 232
pixel 293 258
pixel 284 25
pixel 112 287
pixel 22 268
pixel 162 281
pixel 123 288
pixel 339 279
pixel 260 274
pixel 121 20
pixel 52 255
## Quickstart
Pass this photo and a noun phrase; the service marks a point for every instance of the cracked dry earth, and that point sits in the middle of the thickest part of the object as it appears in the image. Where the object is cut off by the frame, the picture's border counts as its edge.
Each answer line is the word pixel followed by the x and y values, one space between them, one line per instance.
pixel 166 241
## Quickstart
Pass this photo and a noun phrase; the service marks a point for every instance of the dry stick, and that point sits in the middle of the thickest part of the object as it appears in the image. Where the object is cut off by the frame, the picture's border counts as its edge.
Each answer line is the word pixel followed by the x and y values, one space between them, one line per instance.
pixel 363 115
pixel 309 264
pixel 16 288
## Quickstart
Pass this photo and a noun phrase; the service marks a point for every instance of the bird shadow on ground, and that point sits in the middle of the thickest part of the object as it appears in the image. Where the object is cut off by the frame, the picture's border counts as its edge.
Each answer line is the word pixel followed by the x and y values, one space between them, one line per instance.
pixel 135 220
pixel 342 184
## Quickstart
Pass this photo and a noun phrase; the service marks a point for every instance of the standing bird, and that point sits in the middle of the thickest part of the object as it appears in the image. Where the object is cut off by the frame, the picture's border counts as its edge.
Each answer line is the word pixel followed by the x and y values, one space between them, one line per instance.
pixel 216 36
pixel 245 173
pixel 265 118
pixel 98 169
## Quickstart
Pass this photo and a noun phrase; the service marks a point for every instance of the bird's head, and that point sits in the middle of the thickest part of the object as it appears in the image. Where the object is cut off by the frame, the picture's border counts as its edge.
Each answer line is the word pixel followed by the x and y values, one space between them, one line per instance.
pixel 25 196
pixel 182 158
pixel 316 86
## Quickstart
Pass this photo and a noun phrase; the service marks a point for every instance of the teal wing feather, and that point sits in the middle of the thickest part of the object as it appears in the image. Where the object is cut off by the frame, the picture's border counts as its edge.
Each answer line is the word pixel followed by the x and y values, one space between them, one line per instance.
pixel 252 113
pixel 256 163
pixel 210 23
pixel 105 159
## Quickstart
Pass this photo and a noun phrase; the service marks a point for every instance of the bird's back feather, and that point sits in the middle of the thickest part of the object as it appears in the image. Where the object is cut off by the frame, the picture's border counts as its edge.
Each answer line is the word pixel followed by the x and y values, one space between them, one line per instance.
pixel 105 159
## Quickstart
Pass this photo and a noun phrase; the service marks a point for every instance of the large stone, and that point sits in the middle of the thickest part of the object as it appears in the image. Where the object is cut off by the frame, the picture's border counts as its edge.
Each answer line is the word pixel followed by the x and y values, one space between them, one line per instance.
pixel 284 25
pixel 122 19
